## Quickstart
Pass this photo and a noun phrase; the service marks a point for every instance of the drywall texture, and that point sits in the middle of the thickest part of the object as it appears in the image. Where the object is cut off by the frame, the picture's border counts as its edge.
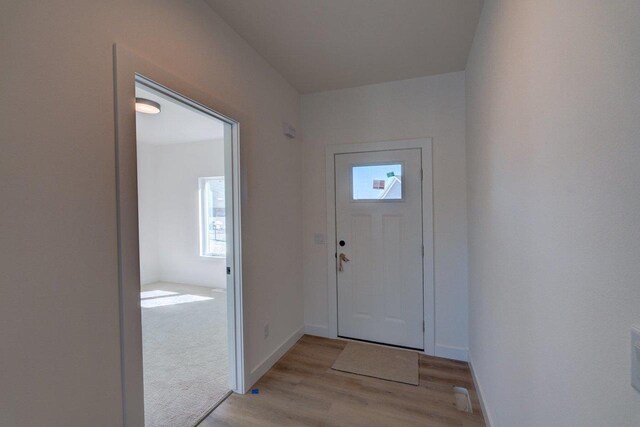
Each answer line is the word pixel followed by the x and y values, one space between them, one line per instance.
pixel 425 107
pixel 553 94
pixel 336 44
pixel 60 353
pixel 148 194
pixel 169 212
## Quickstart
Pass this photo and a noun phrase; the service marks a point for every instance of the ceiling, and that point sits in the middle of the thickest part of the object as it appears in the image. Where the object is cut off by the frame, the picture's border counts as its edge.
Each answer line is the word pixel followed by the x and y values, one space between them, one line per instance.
pixel 320 45
pixel 176 123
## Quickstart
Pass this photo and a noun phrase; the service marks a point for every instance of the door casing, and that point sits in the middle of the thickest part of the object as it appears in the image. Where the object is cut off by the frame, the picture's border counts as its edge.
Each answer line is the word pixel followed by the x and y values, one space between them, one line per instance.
pixel 427 226
pixel 128 67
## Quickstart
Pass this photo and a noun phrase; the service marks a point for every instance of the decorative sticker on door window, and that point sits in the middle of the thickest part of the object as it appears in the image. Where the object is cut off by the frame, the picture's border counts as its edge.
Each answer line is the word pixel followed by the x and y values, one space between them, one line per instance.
pixel 377 182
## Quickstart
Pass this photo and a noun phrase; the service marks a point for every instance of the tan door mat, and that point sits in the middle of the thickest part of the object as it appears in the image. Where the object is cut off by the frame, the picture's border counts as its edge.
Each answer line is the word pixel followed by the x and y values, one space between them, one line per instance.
pixel 379 362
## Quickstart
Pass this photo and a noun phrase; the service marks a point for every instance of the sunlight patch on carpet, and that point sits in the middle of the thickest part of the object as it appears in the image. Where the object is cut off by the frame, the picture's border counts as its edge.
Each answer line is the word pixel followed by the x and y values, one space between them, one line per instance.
pixel 178 299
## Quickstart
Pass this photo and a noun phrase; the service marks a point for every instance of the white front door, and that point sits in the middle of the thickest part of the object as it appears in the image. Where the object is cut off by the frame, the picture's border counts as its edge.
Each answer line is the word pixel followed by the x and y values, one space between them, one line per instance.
pixel 379 231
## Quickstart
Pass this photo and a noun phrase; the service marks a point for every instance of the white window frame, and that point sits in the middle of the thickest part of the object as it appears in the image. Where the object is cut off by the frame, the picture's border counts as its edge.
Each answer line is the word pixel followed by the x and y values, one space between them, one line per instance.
pixel 203 214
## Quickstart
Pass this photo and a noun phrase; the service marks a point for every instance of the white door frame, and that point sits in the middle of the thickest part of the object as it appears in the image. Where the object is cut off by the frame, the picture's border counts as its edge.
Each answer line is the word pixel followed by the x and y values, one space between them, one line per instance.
pixel 425 144
pixel 129 68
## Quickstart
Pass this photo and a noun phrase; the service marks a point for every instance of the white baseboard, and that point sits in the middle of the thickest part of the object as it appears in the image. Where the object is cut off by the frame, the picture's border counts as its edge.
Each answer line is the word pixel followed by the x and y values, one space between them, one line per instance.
pixel 485 411
pixel 450 352
pixel 266 364
pixel 317 330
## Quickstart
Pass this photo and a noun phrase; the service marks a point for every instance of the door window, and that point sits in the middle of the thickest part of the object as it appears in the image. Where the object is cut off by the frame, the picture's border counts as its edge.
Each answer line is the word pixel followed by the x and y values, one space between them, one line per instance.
pixel 377 182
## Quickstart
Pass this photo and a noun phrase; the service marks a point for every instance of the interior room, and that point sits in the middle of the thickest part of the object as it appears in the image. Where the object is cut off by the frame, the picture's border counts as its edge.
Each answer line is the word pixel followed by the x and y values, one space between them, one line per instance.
pixel 182 235
pixel 320 213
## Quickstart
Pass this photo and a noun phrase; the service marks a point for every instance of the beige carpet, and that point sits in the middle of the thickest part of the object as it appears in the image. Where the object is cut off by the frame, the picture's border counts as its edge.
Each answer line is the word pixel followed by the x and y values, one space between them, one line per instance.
pixel 379 362
pixel 185 355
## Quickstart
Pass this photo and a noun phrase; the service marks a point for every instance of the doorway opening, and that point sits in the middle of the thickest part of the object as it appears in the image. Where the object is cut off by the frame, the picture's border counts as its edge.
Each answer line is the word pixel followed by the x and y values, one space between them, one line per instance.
pixel 185 234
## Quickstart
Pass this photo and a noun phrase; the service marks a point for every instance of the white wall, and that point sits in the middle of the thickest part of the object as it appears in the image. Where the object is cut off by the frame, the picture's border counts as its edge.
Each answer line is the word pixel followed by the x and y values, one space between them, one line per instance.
pixel 553 91
pixel 60 354
pixel 424 107
pixel 148 225
pixel 169 212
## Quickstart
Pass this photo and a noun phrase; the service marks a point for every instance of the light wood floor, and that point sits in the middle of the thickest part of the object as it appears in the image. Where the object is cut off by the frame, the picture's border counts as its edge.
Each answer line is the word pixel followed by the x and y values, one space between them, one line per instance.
pixel 303 390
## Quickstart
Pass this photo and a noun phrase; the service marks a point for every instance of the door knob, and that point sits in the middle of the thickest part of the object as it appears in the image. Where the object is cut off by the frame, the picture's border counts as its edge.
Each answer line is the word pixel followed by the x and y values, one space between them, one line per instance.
pixel 342 259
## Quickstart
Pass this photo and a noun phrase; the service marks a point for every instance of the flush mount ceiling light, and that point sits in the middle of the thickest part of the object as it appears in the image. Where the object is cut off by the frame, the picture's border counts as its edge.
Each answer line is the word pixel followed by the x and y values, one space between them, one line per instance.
pixel 147 106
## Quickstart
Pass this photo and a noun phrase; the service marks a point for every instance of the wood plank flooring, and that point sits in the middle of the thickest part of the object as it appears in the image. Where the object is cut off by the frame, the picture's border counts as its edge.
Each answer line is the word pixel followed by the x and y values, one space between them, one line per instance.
pixel 303 390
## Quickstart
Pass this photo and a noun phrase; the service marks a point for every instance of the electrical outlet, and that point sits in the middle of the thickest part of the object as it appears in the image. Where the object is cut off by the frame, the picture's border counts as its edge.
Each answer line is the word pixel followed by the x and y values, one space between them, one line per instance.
pixel 635 358
pixel 266 331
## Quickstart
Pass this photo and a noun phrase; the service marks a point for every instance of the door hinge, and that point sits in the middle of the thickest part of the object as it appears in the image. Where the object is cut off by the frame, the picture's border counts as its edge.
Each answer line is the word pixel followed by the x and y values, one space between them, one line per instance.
pixel 423 250
pixel 421 174
pixel 228 270
pixel 424 327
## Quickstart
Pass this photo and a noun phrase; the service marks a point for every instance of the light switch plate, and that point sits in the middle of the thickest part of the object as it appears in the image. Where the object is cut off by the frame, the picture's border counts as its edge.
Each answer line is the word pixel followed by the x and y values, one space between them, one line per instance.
pixel 635 358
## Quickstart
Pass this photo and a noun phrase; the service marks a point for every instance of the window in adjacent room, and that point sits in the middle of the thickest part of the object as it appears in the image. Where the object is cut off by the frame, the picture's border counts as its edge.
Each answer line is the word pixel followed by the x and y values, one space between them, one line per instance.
pixel 213 242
